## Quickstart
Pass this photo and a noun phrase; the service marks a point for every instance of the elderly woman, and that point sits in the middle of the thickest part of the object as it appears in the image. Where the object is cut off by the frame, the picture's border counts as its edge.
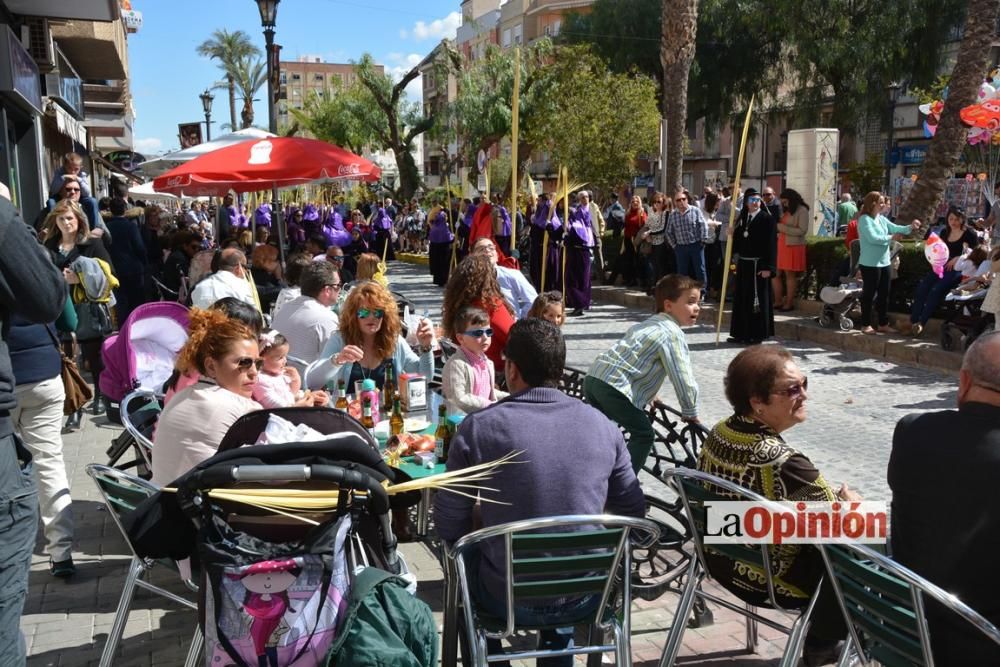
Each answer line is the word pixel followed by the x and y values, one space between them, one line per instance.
pixel 67 236
pixel 224 352
pixel 768 393
pixel 474 283
pixel 369 340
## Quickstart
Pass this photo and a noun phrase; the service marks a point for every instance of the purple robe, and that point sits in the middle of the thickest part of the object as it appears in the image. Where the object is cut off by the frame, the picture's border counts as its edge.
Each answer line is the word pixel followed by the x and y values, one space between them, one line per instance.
pixel 263 215
pixel 440 232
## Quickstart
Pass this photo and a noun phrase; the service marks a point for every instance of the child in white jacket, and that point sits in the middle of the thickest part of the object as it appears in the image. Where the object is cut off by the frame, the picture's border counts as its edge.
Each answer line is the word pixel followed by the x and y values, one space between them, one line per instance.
pixel 468 380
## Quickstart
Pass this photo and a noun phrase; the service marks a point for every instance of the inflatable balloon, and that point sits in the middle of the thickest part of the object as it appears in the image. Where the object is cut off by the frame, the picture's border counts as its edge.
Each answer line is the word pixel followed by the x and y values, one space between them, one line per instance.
pixel 986 92
pixel 936 252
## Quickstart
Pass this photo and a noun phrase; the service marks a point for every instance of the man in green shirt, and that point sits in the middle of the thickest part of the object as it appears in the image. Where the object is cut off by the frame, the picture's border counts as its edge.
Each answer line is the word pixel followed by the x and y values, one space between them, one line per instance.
pixel 846 210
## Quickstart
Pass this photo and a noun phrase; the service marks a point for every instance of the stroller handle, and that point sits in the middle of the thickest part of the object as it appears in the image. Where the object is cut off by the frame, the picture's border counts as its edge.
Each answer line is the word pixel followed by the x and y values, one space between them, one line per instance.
pixel 342 477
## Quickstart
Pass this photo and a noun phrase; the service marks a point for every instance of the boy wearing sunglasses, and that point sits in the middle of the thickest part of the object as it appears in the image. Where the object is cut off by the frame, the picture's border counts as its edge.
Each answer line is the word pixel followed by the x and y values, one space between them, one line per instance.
pixel 468 379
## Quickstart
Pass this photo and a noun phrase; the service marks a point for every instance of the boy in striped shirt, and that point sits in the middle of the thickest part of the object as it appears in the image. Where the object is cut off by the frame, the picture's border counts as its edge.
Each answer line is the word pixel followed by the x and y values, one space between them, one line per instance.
pixel 626 377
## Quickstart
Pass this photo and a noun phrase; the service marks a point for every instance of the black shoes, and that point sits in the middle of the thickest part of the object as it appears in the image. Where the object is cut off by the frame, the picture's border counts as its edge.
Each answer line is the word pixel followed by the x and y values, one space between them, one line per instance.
pixel 73 422
pixel 100 405
pixel 577 313
pixel 62 569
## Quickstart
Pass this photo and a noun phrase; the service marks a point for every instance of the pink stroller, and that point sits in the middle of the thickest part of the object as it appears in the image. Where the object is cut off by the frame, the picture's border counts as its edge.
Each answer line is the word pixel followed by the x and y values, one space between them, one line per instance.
pixel 142 354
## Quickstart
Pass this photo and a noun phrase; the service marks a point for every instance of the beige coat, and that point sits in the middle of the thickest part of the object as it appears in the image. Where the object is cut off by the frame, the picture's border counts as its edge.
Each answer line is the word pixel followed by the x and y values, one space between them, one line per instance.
pixel 797 228
pixel 457 382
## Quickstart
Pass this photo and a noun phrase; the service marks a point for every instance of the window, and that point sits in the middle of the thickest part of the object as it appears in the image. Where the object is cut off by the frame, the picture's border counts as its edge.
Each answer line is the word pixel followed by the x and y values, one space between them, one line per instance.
pixel 283 78
pixel 296 76
pixel 517 34
pixel 556 26
pixel 318 78
pixel 506 37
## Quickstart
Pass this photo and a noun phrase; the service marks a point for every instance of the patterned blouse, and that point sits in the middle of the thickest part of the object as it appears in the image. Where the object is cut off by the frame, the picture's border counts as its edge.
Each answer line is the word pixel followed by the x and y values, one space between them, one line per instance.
pixel 746 452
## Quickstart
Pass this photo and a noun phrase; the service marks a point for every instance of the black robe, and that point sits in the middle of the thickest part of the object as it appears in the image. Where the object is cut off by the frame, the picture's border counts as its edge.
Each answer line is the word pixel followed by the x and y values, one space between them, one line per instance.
pixel 754 250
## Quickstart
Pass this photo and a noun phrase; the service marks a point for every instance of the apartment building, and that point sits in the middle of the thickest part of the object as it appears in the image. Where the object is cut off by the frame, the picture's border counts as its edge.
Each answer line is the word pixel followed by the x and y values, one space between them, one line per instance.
pixel 308 75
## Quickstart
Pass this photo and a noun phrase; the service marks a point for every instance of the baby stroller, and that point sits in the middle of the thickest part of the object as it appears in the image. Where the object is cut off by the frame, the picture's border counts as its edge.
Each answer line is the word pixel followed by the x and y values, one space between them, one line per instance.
pixel 142 354
pixel 275 583
pixel 843 294
pixel 964 320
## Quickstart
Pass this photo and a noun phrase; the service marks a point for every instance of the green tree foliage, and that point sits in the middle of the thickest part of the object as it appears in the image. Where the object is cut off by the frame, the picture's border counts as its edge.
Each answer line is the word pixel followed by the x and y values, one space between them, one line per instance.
pixel 229 48
pixel 588 119
pixel 806 50
pixel 343 117
pixel 867 175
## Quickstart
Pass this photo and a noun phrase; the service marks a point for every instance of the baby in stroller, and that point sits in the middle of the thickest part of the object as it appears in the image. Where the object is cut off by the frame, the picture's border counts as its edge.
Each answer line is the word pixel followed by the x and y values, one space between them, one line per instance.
pixel 842 293
pixel 968 315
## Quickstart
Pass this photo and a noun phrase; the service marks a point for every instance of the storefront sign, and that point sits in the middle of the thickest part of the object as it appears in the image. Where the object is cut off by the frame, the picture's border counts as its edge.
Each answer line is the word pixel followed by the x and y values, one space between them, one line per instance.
pixel 19 75
pixel 126 160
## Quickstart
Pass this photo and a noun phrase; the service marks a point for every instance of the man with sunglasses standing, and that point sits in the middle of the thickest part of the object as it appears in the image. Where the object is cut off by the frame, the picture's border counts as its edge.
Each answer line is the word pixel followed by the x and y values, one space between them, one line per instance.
pixel 686 232
pixel 308 321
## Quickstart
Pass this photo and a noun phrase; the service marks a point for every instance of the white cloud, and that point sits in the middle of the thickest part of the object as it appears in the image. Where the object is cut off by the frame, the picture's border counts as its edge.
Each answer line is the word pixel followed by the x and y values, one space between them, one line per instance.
pixel 148 145
pixel 436 29
pixel 398 64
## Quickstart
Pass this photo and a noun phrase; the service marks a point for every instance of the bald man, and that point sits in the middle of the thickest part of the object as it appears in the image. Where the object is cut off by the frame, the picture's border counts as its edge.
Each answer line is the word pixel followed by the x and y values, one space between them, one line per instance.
pixel 229 280
pixel 943 473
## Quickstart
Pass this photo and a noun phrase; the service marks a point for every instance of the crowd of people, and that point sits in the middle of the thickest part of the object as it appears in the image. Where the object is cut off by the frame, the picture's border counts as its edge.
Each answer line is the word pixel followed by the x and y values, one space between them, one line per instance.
pixel 267 335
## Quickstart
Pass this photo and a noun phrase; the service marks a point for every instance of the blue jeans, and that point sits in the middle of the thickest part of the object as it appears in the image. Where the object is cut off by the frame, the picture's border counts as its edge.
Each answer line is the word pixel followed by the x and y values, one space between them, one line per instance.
pixel 691 261
pixel 548 640
pixel 18 525
pixel 930 293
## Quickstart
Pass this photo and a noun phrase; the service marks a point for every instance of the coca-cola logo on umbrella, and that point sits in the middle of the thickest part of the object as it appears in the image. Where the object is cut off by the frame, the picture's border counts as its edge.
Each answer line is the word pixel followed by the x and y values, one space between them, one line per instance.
pixel 352 169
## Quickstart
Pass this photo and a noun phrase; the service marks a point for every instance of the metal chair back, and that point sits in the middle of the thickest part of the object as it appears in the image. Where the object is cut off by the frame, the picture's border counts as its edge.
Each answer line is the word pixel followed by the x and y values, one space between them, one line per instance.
pixel 883 604
pixel 573 556
pixel 696 489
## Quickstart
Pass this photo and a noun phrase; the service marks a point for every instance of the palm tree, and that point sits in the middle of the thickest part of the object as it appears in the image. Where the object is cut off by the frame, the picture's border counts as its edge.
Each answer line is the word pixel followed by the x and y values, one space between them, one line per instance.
pixel 949 140
pixel 677 45
pixel 229 48
pixel 248 76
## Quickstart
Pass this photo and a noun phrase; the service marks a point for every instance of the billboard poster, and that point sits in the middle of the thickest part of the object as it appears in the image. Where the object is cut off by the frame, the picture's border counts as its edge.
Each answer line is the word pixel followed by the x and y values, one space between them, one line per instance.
pixel 189 134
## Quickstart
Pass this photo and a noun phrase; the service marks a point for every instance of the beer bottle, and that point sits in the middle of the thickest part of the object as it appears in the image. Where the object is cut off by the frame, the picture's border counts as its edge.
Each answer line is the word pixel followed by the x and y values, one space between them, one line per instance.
pixel 341 396
pixel 396 420
pixel 442 436
pixel 388 385
pixel 366 415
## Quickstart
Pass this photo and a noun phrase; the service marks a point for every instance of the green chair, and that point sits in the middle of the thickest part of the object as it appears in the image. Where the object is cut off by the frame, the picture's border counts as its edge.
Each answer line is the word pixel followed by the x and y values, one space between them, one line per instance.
pixel 883 603
pixel 690 487
pixel 573 556
pixel 122 492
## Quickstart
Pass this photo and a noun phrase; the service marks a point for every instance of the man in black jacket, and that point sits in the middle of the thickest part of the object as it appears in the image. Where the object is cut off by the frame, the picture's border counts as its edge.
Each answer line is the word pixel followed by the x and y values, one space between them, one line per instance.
pixel 31 286
pixel 945 509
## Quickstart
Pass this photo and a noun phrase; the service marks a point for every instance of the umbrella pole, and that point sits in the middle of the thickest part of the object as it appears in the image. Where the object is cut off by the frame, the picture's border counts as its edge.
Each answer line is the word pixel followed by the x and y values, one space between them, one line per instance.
pixel 278 219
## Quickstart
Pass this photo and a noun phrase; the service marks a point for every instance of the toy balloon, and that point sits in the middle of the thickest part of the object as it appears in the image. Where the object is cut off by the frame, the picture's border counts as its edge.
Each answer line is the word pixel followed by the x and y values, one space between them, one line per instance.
pixel 925 109
pixel 986 92
pixel 929 130
pixel 936 252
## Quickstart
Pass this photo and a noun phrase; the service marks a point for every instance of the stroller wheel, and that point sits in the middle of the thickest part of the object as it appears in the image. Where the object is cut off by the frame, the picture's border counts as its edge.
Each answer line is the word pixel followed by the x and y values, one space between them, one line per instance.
pixel 846 324
pixel 826 318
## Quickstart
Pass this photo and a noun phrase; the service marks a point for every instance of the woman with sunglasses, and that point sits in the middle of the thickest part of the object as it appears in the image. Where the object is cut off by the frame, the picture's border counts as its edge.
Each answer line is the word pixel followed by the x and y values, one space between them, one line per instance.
pixel 768 393
pixel 369 341
pixel 224 352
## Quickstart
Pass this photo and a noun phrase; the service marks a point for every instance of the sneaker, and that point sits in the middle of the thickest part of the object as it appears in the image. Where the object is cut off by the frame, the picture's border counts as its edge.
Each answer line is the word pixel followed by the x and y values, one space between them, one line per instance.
pixel 62 569
pixel 917 329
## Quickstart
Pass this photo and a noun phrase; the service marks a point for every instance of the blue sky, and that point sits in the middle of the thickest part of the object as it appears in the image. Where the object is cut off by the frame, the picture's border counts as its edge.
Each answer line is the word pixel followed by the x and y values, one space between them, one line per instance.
pixel 167 75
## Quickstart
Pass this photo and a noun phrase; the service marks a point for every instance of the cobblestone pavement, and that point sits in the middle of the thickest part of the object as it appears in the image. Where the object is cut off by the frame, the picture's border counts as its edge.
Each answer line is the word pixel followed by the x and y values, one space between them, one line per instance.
pixel 854 403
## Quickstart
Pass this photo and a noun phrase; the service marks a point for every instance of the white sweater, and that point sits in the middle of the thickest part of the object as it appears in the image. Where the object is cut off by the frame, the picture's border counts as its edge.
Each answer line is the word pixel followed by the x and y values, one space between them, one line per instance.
pixel 457 382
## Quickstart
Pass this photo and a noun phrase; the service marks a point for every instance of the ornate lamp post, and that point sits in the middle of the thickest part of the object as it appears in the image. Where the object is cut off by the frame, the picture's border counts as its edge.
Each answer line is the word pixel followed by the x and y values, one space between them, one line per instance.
pixel 894 89
pixel 206 104
pixel 268 16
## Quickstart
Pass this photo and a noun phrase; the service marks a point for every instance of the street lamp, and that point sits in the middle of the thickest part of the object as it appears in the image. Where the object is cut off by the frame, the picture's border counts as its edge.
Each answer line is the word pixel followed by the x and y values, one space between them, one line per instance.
pixel 894 89
pixel 268 17
pixel 206 104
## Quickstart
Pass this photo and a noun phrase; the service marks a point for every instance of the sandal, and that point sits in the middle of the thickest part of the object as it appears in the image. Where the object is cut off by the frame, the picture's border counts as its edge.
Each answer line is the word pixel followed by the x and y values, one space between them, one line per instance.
pixel 868 330
pixel 886 329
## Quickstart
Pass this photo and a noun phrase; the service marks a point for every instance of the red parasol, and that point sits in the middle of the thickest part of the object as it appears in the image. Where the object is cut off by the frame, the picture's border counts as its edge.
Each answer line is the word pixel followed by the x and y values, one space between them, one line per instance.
pixel 252 166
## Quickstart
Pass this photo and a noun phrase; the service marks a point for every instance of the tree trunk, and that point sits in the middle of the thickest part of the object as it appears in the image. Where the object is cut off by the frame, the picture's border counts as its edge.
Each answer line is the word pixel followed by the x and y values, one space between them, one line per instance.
pixel 950 138
pixel 246 116
pixel 232 101
pixel 677 46
pixel 409 177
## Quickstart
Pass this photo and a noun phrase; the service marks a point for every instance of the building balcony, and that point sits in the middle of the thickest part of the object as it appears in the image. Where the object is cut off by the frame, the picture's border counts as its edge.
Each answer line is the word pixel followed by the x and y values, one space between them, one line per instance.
pixel 97 50
pixel 81 10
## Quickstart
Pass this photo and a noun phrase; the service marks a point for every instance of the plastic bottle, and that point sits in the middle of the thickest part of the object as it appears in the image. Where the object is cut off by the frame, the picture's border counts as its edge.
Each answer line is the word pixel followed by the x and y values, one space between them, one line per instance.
pixel 369 390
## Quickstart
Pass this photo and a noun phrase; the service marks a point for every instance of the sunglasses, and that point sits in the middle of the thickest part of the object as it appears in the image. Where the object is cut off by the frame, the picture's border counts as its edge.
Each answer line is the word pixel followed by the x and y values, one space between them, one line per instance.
pixel 754 200
pixel 680 199
pixel 72 189
pixel 768 195
pixel 377 313
pixel 244 363
pixel 335 287
pixel 478 333
pixel 795 390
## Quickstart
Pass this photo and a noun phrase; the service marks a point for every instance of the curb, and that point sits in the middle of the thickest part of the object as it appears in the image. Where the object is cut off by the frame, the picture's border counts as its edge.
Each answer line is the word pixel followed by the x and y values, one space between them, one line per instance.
pixel 411 258
pixel 924 352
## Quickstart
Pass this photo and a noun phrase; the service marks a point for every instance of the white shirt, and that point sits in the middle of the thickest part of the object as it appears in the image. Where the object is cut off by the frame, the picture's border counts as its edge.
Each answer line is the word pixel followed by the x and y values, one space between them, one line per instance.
pixel 516 289
pixel 220 285
pixel 285 296
pixel 307 324
pixel 192 426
